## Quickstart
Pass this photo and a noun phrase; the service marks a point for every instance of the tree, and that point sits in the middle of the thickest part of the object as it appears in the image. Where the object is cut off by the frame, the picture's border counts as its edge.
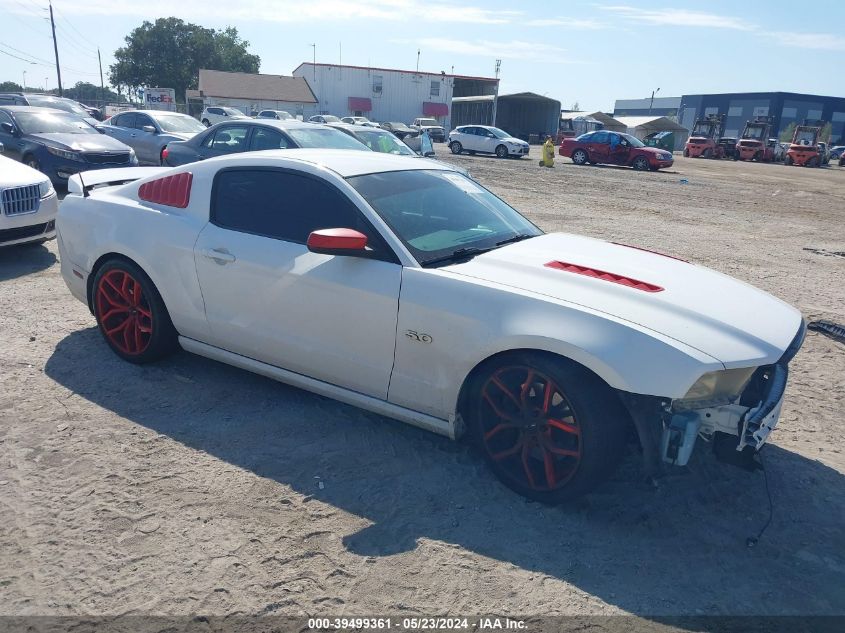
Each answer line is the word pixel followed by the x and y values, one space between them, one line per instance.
pixel 170 52
pixel 86 91
pixel 575 107
pixel 788 132
pixel 10 86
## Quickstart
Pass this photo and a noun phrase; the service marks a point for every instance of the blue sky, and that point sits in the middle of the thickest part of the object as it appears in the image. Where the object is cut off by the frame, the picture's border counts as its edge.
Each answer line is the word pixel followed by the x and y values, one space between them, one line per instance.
pixel 589 52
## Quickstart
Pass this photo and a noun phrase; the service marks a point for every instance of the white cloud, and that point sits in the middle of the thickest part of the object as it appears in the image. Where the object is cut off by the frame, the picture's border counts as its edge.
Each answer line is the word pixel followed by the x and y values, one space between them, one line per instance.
pixel 514 49
pixel 568 24
pixel 680 17
pixel 814 41
pixel 288 11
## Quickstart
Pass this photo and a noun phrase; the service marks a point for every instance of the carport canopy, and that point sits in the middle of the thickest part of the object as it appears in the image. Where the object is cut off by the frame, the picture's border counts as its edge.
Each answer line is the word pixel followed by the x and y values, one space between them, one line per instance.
pixel 642 126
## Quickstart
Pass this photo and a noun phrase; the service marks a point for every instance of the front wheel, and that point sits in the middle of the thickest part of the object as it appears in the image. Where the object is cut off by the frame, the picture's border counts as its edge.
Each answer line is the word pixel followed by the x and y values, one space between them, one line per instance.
pixel 708 153
pixel 548 429
pixel 579 157
pixel 206 123
pixel 502 151
pixel 456 147
pixel 686 153
pixel 787 161
pixel 32 162
pixel 641 163
pixel 131 314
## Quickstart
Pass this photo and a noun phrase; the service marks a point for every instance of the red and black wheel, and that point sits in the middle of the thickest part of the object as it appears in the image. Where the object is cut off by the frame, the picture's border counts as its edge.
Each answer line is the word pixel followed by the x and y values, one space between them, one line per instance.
pixel 549 429
pixel 131 315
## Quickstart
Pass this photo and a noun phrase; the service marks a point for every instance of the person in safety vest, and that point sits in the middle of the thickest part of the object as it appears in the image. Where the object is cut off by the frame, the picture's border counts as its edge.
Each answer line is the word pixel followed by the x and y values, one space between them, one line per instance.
pixel 548 159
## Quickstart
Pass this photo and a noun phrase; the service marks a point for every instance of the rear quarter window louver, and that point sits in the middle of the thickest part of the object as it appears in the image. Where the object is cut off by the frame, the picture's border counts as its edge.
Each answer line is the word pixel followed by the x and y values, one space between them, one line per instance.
pixel 172 191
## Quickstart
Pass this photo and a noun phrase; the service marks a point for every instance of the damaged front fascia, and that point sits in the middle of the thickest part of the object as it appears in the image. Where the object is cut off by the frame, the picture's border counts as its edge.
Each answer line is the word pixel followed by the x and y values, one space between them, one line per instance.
pixel 648 413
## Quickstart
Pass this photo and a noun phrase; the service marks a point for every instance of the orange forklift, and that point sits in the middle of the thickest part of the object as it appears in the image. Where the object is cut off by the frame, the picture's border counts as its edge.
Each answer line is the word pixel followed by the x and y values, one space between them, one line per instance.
pixel 703 141
pixel 804 149
pixel 754 142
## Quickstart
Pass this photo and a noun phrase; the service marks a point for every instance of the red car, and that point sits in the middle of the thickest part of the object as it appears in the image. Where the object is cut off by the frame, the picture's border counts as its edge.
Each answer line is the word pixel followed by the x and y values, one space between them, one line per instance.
pixel 615 149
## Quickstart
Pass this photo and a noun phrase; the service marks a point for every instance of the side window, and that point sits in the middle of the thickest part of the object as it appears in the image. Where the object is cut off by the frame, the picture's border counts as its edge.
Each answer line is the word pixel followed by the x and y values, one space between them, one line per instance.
pixel 600 137
pixel 285 206
pixel 377 83
pixel 215 111
pixel 265 138
pixel 228 140
pixel 141 120
pixel 5 118
pixel 127 120
pixel 435 88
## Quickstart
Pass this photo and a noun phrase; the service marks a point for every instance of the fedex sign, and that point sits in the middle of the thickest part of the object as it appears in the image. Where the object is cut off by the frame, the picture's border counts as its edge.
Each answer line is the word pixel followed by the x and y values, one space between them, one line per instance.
pixel 160 98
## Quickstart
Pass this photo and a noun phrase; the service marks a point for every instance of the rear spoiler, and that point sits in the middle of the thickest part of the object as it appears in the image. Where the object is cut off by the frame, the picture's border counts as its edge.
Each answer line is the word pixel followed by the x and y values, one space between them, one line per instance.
pixel 82 183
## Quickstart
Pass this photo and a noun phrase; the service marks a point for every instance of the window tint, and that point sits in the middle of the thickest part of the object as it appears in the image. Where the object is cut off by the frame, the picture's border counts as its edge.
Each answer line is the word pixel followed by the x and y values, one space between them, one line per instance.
pixel 228 140
pixel 600 137
pixel 126 120
pixel 141 120
pixel 265 138
pixel 283 205
pixel 215 111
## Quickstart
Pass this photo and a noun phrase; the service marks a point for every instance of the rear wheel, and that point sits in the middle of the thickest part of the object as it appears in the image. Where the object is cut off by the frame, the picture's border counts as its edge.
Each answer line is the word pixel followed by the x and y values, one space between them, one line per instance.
pixel 579 157
pixel 456 147
pixel 206 123
pixel 686 153
pixel 787 161
pixel 640 163
pixel 502 151
pixel 131 314
pixel 31 161
pixel 707 153
pixel 548 429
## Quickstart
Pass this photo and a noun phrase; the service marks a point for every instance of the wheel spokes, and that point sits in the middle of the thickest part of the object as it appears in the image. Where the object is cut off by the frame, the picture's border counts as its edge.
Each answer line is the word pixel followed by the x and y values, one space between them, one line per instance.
pixel 124 315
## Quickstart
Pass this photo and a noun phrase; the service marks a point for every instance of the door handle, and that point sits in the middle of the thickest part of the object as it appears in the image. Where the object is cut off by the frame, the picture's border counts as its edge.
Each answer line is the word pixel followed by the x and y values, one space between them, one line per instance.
pixel 219 255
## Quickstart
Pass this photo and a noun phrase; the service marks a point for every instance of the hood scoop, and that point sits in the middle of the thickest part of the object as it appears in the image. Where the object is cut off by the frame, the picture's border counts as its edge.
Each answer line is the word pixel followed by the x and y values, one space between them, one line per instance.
pixel 604 276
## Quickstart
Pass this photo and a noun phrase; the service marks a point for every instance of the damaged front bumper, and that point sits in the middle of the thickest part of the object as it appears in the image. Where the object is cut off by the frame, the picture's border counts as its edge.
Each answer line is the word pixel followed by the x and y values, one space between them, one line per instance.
pixel 750 417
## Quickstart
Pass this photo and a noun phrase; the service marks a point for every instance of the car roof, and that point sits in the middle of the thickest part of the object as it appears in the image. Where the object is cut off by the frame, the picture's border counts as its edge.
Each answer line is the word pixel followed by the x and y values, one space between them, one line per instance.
pixel 153 113
pixel 33 109
pixel 282 125
pixel 358 128
pixel 345 162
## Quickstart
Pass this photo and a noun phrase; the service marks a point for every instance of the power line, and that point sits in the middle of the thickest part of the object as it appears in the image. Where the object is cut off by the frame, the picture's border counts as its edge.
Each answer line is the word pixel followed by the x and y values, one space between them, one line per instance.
pixel 41 61
pixel 70 24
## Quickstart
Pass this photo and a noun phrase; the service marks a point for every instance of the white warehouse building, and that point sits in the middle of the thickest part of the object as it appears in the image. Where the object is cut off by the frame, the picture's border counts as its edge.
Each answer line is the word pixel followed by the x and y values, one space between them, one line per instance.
pixel 383 94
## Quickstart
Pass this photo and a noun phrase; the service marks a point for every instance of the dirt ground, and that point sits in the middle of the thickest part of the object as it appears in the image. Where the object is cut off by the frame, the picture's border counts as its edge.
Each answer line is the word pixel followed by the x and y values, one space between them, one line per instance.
pixel 192 487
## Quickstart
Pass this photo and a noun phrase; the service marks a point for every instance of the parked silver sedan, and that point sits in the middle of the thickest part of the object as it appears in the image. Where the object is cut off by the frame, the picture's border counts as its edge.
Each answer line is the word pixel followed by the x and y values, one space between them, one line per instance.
pixel 149 131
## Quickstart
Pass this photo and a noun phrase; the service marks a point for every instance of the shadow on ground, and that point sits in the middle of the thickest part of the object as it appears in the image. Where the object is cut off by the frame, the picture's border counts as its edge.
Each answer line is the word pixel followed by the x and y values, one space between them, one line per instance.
pixel 675 550
pixel 24 259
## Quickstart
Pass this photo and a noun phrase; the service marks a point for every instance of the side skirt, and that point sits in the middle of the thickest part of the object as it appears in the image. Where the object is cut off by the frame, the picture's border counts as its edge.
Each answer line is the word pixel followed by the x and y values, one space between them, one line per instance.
pixel 354 398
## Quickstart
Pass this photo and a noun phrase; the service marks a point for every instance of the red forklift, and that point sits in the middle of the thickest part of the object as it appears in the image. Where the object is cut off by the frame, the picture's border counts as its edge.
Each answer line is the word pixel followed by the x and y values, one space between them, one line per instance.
pixel 754 142
pixel 703 141
pixel 804 149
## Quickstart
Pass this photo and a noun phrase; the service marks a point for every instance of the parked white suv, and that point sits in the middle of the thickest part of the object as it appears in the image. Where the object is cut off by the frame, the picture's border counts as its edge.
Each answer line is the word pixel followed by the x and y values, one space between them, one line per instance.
pixel 28 204
pixel 216 114
pixel 487 140
pixel 436 131
pixel 279 115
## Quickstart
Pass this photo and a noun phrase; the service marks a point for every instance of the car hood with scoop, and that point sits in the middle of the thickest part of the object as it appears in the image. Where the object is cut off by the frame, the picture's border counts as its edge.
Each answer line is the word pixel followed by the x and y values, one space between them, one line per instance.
pixel 730 321
pixel 81 142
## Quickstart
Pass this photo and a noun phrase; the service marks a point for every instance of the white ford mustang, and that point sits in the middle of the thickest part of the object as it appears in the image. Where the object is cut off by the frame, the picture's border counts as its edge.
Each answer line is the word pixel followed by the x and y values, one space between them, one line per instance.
pixel 404 287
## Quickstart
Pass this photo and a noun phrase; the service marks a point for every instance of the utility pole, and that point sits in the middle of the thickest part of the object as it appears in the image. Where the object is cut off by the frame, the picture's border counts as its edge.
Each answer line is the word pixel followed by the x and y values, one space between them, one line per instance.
pixel 418 60
pixel 496 95
pixel 651 103
pixel 56 50
pixel 24 81
pixel 102 85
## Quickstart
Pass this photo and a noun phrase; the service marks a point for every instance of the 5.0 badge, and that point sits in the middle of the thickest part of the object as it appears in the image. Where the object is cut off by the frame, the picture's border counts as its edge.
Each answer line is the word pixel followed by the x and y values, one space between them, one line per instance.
pixel 419 337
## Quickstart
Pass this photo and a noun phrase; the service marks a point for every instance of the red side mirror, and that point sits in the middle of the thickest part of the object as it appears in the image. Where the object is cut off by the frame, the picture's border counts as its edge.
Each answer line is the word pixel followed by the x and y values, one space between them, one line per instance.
pixel 336 241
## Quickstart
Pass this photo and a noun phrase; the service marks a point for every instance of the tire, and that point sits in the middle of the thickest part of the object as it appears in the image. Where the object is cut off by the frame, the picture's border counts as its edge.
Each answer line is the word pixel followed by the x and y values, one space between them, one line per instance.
pixel 787 161
pixel 579 157
pixel 131 314
pixel 206 123
pixel 813 162
pixel 686 153
pixel 501 151
pixel 758 157
pixel 31 161
pixel 641 163
pixel 548 429
pixel 708 153
pixel 456 147
pixel 471 152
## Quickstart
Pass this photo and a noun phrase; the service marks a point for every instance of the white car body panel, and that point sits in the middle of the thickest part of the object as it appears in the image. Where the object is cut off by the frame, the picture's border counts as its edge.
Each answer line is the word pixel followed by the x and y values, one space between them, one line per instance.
pixel 486 144
pixel 330 323
pixel 14 174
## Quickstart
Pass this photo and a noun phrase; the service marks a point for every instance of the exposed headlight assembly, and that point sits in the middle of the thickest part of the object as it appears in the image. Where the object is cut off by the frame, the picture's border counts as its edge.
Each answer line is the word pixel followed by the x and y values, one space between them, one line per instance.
pixel 715 386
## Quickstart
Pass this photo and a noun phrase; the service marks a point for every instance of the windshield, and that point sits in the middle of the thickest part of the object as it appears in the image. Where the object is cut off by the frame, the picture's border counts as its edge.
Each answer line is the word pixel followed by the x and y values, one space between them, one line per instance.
pixel 702 129
pixel 179 123
pixel 58 104
pixel 325 138
pixel 328 118
pixel 233 112
pixel 753 131
pixel 633 140
pixel 52 122
pixel 428 122
pixel 436 213
pixel 383 142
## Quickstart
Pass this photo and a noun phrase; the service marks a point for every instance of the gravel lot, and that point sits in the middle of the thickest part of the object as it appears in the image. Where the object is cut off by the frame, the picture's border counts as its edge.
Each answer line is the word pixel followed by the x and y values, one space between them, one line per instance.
pixel 192 487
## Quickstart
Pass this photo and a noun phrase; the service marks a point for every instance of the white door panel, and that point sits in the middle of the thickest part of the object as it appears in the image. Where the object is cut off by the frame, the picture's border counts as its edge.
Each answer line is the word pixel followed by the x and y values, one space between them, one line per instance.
pixel 329 317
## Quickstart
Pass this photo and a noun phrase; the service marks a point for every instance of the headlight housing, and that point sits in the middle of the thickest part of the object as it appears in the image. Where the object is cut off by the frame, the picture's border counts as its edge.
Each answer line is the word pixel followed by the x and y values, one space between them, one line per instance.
pixel 66 154
pixel 45 188
pixel 723 386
